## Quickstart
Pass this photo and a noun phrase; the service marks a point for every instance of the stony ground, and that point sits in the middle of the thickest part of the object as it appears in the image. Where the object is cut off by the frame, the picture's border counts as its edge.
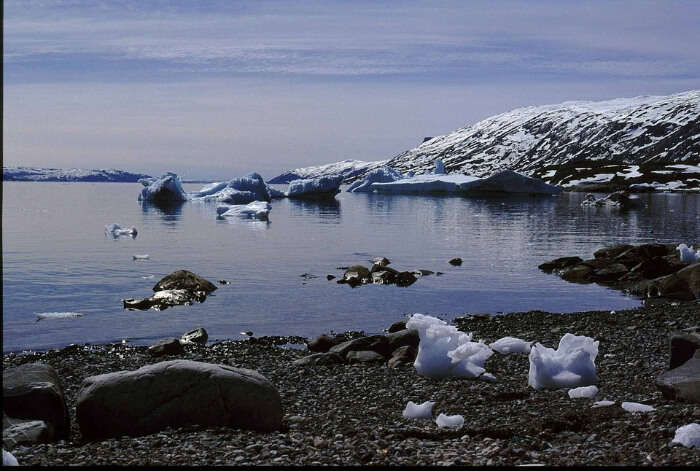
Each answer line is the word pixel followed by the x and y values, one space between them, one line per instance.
pixel 351 414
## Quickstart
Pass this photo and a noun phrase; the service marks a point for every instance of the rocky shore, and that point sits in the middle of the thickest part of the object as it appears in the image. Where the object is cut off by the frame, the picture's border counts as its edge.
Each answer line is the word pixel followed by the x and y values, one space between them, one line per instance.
pixel 351 414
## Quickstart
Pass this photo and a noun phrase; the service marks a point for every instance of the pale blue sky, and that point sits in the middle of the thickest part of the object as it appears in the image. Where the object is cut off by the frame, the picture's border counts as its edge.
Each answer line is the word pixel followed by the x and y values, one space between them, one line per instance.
pixel 217 89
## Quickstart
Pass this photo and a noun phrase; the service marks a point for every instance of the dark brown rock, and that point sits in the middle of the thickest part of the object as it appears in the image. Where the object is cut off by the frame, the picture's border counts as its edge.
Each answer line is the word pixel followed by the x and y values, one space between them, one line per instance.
pixel 455 261
pixel 396 326
pixel 560 263
pixel 184 279
pixel 403 337
pixel 169 346
pixel 324 342
pixel 683 346
pixel 376 343
pixel 405 278
pixel 319 359
pixel 684 284
pixel 580 273
pixel 611 272
pixel 402 356
pixel 364 356
pixel 682 383
pixel 611 252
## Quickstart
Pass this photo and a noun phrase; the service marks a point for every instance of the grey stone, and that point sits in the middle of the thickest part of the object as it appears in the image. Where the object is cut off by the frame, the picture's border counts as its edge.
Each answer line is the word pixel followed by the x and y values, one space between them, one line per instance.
pixel 403 337
pixel 319 359
pixel 198 335
pixel 376 343
pixel 683 346
pixel 169 346
pixel 684 284
pixel 34 391
pixel 24 432
pixel 364 356
pixel 403 356
pixel 174 394
pixel 324 342
pixel 682 383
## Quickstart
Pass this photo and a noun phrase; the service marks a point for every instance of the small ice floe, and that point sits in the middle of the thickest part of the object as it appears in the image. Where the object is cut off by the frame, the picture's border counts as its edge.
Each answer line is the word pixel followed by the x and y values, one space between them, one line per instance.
pixel 254 210
pixel 56 315
pixel 688 436
pixel 583 391
pixel 571 365
pixel 115 231
pixel 247 333
pixel 419 411
pixel 141 257
pixel 636 407
pixel 511 345
pixel 8 459
pixel 444 351
pixel 687 254
pixel 603 403
pixel 449 421
pixel 148 277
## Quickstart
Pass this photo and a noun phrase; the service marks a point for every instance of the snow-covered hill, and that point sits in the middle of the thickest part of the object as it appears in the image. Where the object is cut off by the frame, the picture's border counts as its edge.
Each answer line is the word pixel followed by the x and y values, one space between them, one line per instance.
pixel 614 143
pixel 349 169
pixel 36 174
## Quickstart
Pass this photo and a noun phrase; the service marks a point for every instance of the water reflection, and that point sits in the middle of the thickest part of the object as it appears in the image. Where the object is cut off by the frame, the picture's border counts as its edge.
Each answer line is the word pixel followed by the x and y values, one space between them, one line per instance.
pixel 169 213
pixel 326 209
pixel 255 224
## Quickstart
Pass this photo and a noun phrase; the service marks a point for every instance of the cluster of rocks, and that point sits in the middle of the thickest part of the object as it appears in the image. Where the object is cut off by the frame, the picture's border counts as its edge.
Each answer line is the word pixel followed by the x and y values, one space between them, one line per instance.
pixel 181 287
pixel 382 274
pixel 648 270
pixel 618 199
pixel 398 347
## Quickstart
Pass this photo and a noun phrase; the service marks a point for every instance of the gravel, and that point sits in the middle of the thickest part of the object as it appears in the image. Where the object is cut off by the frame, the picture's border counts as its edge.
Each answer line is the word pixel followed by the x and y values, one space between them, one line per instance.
pixel 351 414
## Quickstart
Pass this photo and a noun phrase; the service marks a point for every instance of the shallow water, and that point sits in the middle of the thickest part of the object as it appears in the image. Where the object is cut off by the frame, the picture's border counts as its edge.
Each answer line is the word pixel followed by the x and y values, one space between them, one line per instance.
pixel 56 258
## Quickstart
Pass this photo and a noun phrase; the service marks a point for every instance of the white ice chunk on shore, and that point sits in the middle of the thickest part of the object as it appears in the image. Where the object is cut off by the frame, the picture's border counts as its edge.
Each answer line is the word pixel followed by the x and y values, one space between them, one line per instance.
pixel 445 351
pixel 141 257
pixel 507 345
pixel 688 435
pixel 378 175
pixel 419 411
pixel 571 365
pixel 163 190
pixel 449 421
pixel 687 254
pixel 322 186
pixel 115 231
pixel 56 315
pixel 8 459
pixel 583 391
pixel 254 210
pixel 603 403
pixel 636 407
pixel 508 181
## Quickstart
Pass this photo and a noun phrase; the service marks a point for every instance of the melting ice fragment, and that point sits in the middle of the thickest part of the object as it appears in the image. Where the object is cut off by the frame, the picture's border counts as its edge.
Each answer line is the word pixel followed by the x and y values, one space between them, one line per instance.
pixel 164 190
pixel 419 411
pixel 636 407
pixel 141 257
pixel 583 391
pixel 571 365
pixel 315 187
pixel 688 435
pixel 687 254
pixel 511 345
pixel 254 210
pixel 378 175
pixel 56 315
pixel 115 231
pixel 450 421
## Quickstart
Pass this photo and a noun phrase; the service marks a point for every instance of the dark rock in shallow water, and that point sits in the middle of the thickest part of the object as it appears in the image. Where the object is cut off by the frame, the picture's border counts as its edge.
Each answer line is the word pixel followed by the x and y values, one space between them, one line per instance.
pixel 174 394
pixel 184 279
pixel 608 252
pixel 396 326
pixel 682 383
pixel 560 263
pixel 383 277
pixel 356 275
pixel 578 274
pixel 405 278
pixel 455 261
pixel 34 391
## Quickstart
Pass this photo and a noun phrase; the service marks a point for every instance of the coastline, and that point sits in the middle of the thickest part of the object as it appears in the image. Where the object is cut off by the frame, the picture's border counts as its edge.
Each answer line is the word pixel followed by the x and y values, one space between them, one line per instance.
pixel 351 414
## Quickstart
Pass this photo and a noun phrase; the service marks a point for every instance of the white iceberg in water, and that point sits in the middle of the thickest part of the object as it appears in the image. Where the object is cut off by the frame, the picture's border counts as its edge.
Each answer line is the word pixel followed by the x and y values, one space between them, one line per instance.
pixel 687 254
pixel 449 421
pixel 419 411
pixel 571 365
pixel 115 231
pixel 315 187
pixel 444 351
pixel 254 210
pixel 426 183
pixel 510 345
pixel 583 391
pixel 57 315
pixel 378 175
pixel 688 435
pixel 508 181
pixel 166 189
pixel 239 190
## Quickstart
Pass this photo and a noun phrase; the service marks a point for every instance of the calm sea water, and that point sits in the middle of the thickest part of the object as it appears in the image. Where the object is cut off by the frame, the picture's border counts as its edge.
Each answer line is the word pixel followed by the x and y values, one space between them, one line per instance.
pixel 56 258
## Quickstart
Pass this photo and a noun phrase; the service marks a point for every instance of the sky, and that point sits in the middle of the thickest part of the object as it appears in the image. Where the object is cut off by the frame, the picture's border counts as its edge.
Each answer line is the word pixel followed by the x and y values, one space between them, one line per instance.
pixel 217 89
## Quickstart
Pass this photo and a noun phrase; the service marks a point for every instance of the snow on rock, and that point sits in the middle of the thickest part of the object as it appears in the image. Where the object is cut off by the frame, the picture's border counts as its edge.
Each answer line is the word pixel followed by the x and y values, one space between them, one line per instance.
pixel 449 421
pixel 444 351
pixel 687 254
pixel 239 190
pixel 37 174
pixel 315 187
pixel 688 435
pixel 510 345
pixel 8 459
pixel 115 231
pixel 571 365
pixel 378 175
pixel 419 411
pixel 583 391
pixel 508 181
pixel 166 189
pixel 427 183
pixel 439 167
pixel 636 407
pixel 254 210
pixel 349 169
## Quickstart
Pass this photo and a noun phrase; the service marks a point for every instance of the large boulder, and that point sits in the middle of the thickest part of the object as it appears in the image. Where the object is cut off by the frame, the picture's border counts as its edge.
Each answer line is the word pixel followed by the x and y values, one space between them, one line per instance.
pixel 168 346
pixel 23 432
pixel 198 335
pixel 33 391
pixel 184 279
pixel 324 342
pixel 683 346
pixel 684 284
pixel 375 343
pixel 682 383
pixel 173 394
pixel 403 337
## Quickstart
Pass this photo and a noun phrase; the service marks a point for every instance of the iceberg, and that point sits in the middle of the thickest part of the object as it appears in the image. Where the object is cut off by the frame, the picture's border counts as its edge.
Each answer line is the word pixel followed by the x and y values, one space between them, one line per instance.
pixel 322 187
pixel 687 254
pixel 240 190
pixel 571 365
pixel 419 411
pixel 426 183
pixel 254 210
pixel 378 175
pixel 164 190
pixel 508 181
pixel 115 231
pixel 444 351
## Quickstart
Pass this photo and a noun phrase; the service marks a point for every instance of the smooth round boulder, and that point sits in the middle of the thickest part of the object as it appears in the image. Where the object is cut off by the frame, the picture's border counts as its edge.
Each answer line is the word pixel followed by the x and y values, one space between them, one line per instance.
pixel 174 394
pixel 169 346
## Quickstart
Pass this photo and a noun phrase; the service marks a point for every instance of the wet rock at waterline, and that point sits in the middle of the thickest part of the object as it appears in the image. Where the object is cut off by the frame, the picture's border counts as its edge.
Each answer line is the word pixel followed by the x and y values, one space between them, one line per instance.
pixel 181 287
pixel 185 279
pixel 380 274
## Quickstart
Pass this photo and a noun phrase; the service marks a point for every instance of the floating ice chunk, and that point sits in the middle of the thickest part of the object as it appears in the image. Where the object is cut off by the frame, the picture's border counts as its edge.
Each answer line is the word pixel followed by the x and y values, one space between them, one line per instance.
pixel 688 435
pixel 636 407
pixel 378 175
pixel 444 351
pixel 210 189
pixel 115 231
pixel 419 411
pixel 148 277
pixel 315 187
pixel 508 181
pixel 141 257
pixel 687 254
pixel 255 210
pixel 583 391
pixel 450 421
pixel 511 345
pixel 275 193
pixel 439 167
pixel 570 366
pixel 56 315
pixel 603 403
pixel 8 459
pixel 427 183
pixel 166 189
pixel 239 190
